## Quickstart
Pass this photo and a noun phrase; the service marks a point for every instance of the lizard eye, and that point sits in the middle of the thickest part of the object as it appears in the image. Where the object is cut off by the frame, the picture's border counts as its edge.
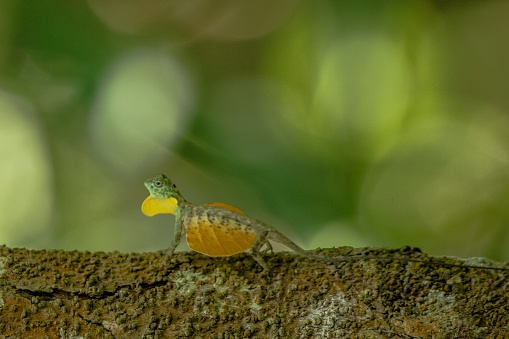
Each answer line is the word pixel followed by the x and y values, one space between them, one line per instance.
pixel 158 183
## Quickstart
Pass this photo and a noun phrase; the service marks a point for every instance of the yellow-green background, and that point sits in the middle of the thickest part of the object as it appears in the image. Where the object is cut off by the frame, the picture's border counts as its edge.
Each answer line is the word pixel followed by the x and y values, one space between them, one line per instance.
pixel 339 122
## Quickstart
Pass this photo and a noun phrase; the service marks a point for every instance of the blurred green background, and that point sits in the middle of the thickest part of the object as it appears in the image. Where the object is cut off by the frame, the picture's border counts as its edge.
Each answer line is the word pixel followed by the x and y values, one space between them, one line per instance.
pixel 339 122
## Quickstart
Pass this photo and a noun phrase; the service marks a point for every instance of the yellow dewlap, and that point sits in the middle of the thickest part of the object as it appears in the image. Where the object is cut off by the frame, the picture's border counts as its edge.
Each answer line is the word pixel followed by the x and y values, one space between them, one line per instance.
pixel 152 206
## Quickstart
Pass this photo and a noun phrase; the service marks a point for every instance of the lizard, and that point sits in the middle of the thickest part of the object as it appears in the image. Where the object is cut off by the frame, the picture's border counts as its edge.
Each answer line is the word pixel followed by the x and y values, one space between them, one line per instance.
pixel 220 230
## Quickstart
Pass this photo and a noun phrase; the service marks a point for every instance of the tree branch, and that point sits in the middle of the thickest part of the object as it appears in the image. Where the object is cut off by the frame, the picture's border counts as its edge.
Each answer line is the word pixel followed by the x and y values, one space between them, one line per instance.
pixel 116 295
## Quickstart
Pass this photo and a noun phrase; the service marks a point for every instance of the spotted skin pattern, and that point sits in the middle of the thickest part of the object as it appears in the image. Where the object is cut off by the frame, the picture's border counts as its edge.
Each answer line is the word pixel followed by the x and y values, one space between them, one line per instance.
pixel 215 229
pixel 218 229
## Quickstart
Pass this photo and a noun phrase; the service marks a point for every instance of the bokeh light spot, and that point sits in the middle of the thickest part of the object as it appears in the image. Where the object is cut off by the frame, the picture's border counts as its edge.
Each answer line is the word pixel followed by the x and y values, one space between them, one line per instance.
pixel 26 195
pixel 141 108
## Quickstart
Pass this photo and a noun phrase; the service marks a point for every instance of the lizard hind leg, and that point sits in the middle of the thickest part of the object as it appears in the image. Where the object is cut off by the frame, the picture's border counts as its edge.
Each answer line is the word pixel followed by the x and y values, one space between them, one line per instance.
pixel 255 250
pixel 259 259
pixel 268 248
pixel 280 238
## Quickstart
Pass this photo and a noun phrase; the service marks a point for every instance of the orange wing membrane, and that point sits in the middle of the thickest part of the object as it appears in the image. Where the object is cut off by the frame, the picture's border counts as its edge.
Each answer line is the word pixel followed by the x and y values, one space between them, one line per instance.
pixel 218 237
pixel 226 206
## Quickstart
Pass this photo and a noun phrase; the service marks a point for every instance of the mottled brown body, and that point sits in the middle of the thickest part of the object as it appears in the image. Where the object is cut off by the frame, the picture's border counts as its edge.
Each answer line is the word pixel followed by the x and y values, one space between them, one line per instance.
pixel 218 231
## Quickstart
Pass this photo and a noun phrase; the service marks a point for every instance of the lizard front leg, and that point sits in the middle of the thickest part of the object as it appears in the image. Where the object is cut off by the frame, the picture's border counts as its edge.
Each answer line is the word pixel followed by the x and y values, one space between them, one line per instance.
pixel 179 228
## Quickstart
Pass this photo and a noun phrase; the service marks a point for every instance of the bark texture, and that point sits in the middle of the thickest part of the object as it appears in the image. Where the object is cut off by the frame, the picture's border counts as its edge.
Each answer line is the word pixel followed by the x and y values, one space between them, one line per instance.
pixel 62 294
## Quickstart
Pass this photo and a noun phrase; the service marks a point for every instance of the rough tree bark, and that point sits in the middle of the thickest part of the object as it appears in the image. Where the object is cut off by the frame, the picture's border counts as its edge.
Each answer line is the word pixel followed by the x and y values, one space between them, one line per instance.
pixel 63 294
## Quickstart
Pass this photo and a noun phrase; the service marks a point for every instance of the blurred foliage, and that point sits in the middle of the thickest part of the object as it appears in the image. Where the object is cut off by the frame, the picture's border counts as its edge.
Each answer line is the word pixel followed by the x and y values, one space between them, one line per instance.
pixel 339 122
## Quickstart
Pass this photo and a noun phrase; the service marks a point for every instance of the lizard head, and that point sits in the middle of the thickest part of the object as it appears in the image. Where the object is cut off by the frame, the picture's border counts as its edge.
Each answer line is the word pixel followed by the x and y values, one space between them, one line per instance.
pixel 164 196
